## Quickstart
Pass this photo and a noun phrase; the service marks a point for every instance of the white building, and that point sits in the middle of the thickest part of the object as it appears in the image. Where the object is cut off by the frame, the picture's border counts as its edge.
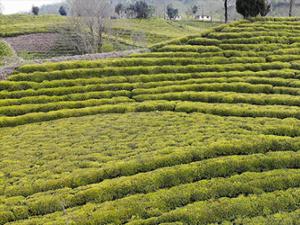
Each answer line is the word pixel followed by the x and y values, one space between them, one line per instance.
pixel 203 18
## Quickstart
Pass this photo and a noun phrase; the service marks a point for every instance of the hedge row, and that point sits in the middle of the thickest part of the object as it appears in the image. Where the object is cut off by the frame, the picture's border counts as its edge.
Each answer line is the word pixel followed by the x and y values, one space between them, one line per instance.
pixel 41 95
pixel 162 200
pixel 69 97
pixel 236 53
pixel 147 78
pixel 274 19
pixel 287 22
pixel 170 177
pixel 122 88
pixel 233 33
pixel 253 47
pixel 127 89
pixel 283 82
pixel 189 48
pixel 217 97
pixel 166 54
pixel 136 62
pixel 114 189
pixel 257 29
pixel 144 80
pixel 241 87
pixel 282 218
pixel 218 109
pixel 18 110
pixel 283 27
pixel 217 211
pixel 203 41
pixel 227 53
pixel 224 87
pixel 287 130
pixel 178 41
pixel 66 113
pixel 38 97
pixel 242 110
pixel 131 167
pixel 102 72
pixel 282 58
pixel 261 40
pixel 287 51
pixel 296 65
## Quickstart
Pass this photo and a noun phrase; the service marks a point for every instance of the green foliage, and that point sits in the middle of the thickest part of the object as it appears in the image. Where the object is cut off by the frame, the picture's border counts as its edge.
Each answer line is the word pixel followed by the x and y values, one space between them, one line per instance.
pixel 231 208
pixel 5 51
pixel 252 8
pixel 139 70
pixel 136 62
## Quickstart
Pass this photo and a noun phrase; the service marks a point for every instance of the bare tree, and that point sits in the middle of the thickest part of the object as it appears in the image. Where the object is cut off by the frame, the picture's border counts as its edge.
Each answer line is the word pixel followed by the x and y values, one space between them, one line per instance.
pixel 86 26
pixel 292 3
pixel 161 7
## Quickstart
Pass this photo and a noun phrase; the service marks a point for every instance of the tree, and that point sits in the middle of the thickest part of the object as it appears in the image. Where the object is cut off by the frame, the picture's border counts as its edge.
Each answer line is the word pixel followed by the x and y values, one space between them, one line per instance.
pixel 252 8
pixel 265 10
pixel 130 11
pixel 292 3
pixel 195 9
pixel 62 11
pixel 119 9
pixel 161 7
pixel 35 10
pixel 88 21
pixel 142 10
pixel 172 12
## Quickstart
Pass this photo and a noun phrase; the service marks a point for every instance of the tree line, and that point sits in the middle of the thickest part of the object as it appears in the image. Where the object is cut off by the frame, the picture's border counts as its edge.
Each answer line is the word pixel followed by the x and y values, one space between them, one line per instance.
pixel 143 10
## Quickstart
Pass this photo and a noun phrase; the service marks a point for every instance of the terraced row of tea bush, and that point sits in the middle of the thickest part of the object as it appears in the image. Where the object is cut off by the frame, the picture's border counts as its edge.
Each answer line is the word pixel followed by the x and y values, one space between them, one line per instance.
pixel 202 130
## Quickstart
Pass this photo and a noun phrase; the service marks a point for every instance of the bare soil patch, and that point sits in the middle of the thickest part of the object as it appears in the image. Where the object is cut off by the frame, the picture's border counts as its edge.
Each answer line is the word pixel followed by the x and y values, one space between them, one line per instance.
pixel 40 42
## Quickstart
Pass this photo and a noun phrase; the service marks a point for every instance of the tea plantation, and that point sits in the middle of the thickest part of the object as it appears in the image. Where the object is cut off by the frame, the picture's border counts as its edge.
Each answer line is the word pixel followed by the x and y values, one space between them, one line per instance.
pixel 201 130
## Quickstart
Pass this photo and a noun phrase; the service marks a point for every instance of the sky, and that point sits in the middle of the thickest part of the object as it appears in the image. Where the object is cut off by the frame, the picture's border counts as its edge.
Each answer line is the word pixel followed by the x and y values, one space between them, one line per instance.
pixel 15 6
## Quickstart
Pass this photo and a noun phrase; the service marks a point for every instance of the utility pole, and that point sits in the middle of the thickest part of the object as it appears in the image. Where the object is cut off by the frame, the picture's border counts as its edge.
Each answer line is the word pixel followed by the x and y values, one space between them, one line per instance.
pixel 226 10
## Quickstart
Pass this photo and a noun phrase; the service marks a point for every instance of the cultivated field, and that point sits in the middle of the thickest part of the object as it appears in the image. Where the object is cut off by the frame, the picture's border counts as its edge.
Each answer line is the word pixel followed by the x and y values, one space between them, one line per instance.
pixel 15 25
pixel 202 130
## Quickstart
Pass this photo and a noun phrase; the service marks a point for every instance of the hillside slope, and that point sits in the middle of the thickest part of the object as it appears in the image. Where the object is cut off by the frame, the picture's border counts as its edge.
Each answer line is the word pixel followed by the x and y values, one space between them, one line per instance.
pixel 203 130
pixel 38 37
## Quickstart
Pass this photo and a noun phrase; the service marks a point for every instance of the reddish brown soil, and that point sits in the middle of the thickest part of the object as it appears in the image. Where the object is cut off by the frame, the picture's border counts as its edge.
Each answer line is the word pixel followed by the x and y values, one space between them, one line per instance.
pixel 41 42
